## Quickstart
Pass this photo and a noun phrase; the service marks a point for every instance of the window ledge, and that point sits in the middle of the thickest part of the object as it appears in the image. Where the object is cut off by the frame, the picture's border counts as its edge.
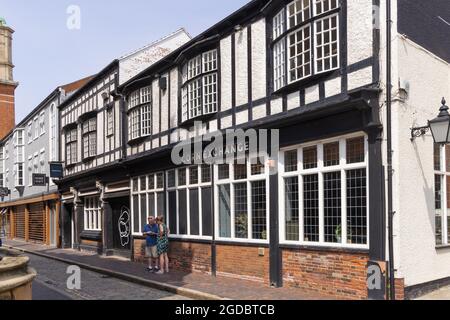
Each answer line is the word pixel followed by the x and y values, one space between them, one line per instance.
pixel 88 159
pixel 91 235
pixel 324 248
pixel 297 85
pixel 137 140
pixel 190 122
pixel 443 247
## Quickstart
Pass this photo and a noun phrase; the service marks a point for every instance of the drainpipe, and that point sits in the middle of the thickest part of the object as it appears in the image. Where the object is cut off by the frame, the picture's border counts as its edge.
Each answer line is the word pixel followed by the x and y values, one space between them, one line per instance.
pixel 389 148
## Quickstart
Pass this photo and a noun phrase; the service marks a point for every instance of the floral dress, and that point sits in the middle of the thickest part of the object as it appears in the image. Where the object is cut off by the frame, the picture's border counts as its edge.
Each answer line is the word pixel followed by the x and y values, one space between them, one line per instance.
pixel 163 241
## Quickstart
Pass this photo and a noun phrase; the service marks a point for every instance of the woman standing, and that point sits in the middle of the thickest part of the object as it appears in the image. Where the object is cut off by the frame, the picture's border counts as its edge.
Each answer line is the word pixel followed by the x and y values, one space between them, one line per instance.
pixel 163 246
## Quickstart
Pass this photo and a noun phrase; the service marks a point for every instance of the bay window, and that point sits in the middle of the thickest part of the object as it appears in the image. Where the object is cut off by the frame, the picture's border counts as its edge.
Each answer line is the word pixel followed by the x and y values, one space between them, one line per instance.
pixel 71 146
pixel 189 201
pixel 200 85
pixel 323 193
pixel 241 201
pixel 305 40
pixel 140 113
pixel 92 214
pixel 442 194
pixel 147 199
pixel 89 134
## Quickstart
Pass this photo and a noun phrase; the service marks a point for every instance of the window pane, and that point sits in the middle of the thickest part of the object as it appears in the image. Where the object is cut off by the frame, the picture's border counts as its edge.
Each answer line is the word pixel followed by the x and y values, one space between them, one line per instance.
pixel 210 93
pixel 290 161
pixel 310 158
pixel 438 207
pixel 327 45
pixel 171 179
pixel 135 185
pixel 357 206
pixel 194 212
pixel 331 154
pixel 182 177
pixel 447 158
pixel 224 211
pixel 143 183
pixel 160 180
pixel 193 175
pixel 355 150
pixel 311 207
pixel 240 210
pixel 240 171
pixel 224 171
pixel 173 211
pixel 151 205
pixel 298 12
pixel 292 209
pixel 257 167
pixel 151 182
pixel 437 157
pixel 160 208
pixel 143 210
pixel 299 53
pixel 137 227
pixel 182 211
pixel 279 62
pixel 206 173
pixel 259 209
pixel 207 213
pixel 332 207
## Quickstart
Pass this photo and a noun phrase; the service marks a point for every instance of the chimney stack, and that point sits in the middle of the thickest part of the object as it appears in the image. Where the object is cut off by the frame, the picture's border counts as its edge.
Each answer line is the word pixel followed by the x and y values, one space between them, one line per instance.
pixel 7 84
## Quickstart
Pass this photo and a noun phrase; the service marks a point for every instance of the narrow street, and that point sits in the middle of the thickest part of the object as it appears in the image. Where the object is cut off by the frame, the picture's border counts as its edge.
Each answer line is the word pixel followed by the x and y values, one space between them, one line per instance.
pixel 50 284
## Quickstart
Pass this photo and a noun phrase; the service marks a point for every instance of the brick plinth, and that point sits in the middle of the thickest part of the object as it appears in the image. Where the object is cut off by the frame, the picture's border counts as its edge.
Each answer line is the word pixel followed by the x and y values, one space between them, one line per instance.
pixel 338 274
pixel 7 112
pixel 243 262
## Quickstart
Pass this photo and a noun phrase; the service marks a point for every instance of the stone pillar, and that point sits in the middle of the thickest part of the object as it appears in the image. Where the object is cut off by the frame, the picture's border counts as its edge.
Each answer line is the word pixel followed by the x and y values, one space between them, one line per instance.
pixel 79 222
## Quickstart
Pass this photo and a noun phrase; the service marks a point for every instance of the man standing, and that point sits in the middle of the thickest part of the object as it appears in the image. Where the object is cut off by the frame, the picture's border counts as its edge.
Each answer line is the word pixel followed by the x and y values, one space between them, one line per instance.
pixel 151 252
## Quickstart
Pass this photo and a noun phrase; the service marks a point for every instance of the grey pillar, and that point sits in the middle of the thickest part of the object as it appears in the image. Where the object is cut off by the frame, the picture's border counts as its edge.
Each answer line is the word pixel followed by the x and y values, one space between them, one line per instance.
pixel 107 229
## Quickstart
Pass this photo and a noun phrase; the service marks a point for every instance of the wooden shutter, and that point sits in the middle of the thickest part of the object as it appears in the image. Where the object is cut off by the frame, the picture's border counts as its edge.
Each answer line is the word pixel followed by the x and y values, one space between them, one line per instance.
pixel 19 218
pixel 37 222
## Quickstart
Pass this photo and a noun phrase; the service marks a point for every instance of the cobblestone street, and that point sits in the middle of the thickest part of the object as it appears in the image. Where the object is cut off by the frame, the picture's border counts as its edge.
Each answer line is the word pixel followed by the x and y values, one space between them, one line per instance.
pixel 50 284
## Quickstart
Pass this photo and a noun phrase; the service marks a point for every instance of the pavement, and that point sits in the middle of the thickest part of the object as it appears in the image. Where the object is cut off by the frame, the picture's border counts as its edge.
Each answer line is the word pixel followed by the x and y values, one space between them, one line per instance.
pixel 192 285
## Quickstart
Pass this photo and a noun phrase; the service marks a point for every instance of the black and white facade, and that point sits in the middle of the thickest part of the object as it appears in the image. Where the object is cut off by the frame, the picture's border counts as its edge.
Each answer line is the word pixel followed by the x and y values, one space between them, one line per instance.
pixel 311 212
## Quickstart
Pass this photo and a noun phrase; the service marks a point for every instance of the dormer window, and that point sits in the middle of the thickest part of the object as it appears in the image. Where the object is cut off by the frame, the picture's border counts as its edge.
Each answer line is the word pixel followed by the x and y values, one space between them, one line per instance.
pixel 200 82
pixel 305 40
pixel 140 113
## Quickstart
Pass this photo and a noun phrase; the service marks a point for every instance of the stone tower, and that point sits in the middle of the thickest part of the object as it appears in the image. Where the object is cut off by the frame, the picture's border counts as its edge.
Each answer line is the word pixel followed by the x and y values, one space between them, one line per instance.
pixel 7 84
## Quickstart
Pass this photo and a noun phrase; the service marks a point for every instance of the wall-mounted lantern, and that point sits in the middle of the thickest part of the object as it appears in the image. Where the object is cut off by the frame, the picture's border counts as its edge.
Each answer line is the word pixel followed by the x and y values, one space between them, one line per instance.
pixel 440 127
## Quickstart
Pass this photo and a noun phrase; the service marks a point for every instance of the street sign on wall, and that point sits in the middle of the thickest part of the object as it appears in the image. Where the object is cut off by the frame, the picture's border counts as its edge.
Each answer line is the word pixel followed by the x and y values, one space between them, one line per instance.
pixel 56 170
pixel 39 180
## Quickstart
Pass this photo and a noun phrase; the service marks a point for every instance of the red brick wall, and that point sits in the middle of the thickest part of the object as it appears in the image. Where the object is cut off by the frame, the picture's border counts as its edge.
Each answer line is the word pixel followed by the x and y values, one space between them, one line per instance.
pixel 400 289
pixel 337 274
pixel 7 115
pixel 184 256
pixel 243 262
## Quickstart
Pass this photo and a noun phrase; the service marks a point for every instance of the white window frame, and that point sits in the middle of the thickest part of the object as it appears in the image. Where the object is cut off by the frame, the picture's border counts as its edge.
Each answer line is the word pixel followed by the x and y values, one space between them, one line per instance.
pixel 53 139
pixel 42 123
pixel 200 90
pixel 71 146
pixel 30 171
pixel 36 128
pixel 19 158
pixel 90 135
pixel 144 192
pixel 231 181
pixel 110 121
pixel 42 160
pixel 288 29
pixel 188 186
pixel 2 166
pixel 343 167
pixel 92 214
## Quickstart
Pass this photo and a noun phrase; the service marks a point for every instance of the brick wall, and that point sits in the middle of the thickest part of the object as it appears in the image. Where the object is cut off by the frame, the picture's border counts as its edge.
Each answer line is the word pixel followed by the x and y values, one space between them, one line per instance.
pixel 243 262
pixel 184 256
pixel 337 274
pixel 7 115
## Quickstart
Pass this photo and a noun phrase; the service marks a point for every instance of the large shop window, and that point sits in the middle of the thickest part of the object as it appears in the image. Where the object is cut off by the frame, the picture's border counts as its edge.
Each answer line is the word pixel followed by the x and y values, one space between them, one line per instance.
pixel 306 40
pixel 189 202
pixel 92 214
pixel 242 205
pixel 71 146
pixel 200 83
pixel 147 199
pixel 323 193
pixel 442 194
pixel 140 113
pixel 89 138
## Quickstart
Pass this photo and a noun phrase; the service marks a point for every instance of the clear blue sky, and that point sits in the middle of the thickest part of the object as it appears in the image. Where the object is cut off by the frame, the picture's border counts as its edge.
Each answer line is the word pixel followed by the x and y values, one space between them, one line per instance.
pixel 47 54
